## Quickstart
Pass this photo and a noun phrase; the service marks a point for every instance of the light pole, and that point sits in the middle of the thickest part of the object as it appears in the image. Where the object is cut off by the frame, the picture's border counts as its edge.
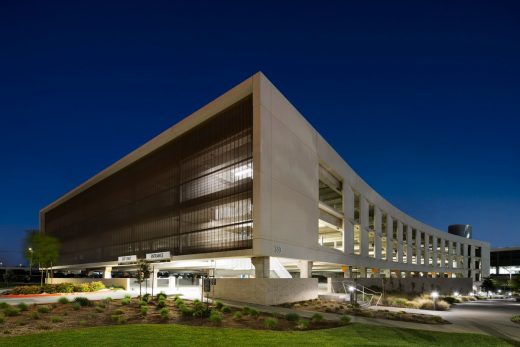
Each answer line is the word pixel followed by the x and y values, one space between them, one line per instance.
pixel 351 289
pixel 435 295
pixel 30 261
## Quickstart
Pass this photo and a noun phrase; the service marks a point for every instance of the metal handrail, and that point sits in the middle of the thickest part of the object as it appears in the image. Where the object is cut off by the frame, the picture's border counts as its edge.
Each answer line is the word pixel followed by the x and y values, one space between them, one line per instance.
pixel 371 293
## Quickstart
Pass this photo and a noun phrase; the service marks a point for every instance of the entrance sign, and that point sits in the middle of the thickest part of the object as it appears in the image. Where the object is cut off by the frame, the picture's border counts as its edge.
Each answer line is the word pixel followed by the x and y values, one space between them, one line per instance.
pixel 158 256
pixel 127 259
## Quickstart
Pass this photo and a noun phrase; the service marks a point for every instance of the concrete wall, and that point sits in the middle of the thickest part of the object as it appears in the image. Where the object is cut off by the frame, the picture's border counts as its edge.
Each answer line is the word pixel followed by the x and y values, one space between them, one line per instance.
pixel 265 291
pixel 445 286
pixel 119 282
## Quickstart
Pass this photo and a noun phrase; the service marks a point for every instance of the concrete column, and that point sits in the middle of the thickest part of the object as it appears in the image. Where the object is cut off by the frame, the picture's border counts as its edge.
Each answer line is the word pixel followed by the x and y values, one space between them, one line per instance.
pixel 262 267
pixel 107 273
pixel 153 274
pixel 348 273
pixel 465 255
pixel 364 225
pixel 449 255
pixel 472 262
pixel 362 272
pixel 418 254
pixel 378 231
pixel 399 242
pixel 348 226
pixel 389 242
pixel 443 253
pixel 426 249
pixel 409 245
pixel 305 267
pixel 434 251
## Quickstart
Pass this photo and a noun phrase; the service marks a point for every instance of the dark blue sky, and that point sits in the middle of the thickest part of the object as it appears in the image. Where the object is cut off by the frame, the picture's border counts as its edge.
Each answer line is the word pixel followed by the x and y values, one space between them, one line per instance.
pixel 421 98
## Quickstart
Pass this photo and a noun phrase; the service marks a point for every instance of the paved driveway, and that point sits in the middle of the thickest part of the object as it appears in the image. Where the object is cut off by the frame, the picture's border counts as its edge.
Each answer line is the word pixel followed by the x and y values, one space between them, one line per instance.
pixel 492 317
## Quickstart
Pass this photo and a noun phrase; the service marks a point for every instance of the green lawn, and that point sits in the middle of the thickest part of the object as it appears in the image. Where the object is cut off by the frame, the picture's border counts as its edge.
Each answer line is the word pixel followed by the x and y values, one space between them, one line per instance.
pixel 182 335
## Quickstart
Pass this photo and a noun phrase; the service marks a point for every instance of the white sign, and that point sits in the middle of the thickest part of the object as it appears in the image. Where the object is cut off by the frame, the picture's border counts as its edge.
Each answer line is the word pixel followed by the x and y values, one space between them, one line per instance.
pixel 127 259
pixel 158 256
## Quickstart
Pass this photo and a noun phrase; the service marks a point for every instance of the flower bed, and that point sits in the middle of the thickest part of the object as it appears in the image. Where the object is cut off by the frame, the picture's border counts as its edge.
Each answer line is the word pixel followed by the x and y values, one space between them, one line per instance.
pixel 57 288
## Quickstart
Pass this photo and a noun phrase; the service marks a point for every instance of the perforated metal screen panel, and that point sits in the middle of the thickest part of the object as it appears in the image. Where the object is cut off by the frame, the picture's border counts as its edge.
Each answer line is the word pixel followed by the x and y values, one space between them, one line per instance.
pixel 192 195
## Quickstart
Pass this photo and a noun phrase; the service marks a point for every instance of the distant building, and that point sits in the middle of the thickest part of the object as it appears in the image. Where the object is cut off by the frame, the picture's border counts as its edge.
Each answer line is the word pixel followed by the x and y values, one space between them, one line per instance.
pixel 505 261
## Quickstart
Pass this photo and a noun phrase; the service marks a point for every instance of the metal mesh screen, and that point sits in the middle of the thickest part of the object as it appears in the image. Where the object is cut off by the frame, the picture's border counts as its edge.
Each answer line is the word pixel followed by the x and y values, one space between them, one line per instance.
pixel 192 195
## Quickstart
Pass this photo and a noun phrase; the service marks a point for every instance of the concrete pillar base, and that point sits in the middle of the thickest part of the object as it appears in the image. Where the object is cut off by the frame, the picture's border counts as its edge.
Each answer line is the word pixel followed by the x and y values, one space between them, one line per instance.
pixel 262 267
pixel 305 267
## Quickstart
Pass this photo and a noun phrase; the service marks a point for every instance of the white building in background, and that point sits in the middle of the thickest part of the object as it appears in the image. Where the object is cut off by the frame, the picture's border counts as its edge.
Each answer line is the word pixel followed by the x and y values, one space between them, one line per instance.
pixel 246 182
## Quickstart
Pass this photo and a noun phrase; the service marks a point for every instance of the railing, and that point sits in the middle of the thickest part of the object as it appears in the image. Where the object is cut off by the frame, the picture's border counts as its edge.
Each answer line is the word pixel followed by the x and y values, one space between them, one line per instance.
pixel 368 296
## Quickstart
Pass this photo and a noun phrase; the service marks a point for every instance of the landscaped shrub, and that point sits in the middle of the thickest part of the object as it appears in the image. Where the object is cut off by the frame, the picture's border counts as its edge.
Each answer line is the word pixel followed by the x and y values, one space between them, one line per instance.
pixel 125 301
pixel 316 318
pixel 160 296
pixel 246 310
pixel 270 323
pixel 63 300
pixel 44 309
pixel 178 301
pixel 185 311
pixel 292 317
pixel 237 315
pixel 451 300
pixel 26 290
pixel 144 310
pixel 253 312
pixel 161 304
pixel 215 317
pixel 99 309
pixel 200 310
pixel 95 286
pixel 56 319
pixel 218 305
pixel 83 301
pixel 22 306
pixel 4 305
pixel 344 320
pixel 442 305
pixel 119 319
pixel 76 306
pixel 143 303
pixel 147 297
pixel 2 319
pixel 164 313
pixel 35 315
pixel 225 309
pixel 81 287
pixel 64 288
pixel 515 319
pixel 119 311
pixel 11 311
pixel 107 300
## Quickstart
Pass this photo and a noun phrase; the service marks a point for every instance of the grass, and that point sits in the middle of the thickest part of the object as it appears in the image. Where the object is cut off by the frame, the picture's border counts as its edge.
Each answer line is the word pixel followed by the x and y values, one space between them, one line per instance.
pixel 162 335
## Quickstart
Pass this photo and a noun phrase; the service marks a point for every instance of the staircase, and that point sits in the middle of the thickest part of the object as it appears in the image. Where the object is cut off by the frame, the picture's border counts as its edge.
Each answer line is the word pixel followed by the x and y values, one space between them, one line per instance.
pixel 365 296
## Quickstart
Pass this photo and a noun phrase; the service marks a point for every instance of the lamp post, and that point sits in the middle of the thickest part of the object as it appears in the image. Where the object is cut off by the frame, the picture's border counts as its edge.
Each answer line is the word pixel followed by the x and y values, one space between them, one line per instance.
pixel 351 289
pixel 30 261
pixel 434 295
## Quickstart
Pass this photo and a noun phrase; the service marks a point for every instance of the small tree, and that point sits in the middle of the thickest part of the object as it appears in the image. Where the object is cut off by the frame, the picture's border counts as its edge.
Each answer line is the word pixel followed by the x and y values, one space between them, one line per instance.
pixel 43 250
pixel 143 272
pixel 488 285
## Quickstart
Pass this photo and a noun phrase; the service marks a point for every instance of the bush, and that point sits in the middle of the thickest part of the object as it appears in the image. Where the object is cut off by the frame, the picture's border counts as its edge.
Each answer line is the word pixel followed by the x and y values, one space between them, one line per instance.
pixel 147 297
pixel 64 288
pixel 56 320
pixel 143 303
pixel 125 301
pixel 218 305
pixel 185 311
pixel 253 312
pixel 83 301
pixel 44 309
pixel 119 319
pixel 63 300
pixel 119 311
pixel 22 306
pixel 2 319
pixel 302 324
pixel 316 318
pixel 215 317
pixel 76 306
pixel 95 286
pixel 107 300
pixel 270 323
pixel 164 313
pixel 225 309
pixel 515 319
pixel 344 320
pixel 246 310
pixel 82 288
pixel 200 310
pixel 161 304
pixel 144 310
pixel 4 305
pixel 237 315
pixel 178 301
pixel 442 305
pixel 451 300
pixel 11 311
pixel 292 317
pixel 128 296
pixel 99 309
pixel 35 315
pixel 160 296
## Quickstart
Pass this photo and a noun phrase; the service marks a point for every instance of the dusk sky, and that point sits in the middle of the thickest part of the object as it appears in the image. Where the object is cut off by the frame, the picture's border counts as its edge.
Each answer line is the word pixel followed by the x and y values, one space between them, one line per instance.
pixel 421 98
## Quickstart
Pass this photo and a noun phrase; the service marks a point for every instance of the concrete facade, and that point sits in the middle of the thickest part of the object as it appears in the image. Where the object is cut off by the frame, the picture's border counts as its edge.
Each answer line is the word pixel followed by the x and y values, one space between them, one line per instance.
pixel 360 234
